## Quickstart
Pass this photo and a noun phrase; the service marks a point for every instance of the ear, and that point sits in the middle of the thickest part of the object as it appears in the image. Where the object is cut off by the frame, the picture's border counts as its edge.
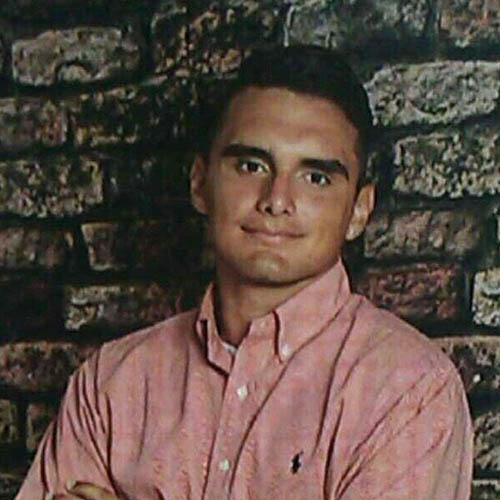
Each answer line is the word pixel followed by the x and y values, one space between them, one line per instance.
pixel 198 177
pixel 362 209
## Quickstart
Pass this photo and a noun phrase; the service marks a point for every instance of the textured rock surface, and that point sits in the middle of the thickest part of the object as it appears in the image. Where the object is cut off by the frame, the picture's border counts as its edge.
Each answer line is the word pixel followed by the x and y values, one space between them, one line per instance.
pixel 38 417
pixel 30 122
pixel 424 292
pixel 470 24
pixel 220 37
pixel 485 489
pixel 32 248
pixel 486 297
pixel 169 37
pixel 8 422
pixel 487 441
pixel 154 245
pixel 477 360
pixel 153 110
pixel 40 366
pixel 454 164
pixel 422 233
pixel 432 93
pixel 358 24
pixel 75 55
pixel 29 307
pixel 211 38
pixel 124 306
pixel 51 186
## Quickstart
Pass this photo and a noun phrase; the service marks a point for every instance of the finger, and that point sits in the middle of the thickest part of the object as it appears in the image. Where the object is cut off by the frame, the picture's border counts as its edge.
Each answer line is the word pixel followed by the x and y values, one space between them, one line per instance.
pixel 66 496
pixel 89 491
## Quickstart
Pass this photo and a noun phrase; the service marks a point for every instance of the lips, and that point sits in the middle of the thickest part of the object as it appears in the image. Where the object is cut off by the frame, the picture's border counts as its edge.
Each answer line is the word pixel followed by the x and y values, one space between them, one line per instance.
pixel 273 235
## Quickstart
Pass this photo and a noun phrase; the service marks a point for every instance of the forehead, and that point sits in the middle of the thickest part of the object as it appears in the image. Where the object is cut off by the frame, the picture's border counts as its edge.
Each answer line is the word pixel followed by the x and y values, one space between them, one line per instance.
pixel 280 118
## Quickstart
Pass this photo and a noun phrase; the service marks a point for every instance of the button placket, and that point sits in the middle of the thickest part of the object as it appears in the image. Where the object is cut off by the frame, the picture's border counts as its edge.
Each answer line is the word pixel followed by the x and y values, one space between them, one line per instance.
pixel 237 413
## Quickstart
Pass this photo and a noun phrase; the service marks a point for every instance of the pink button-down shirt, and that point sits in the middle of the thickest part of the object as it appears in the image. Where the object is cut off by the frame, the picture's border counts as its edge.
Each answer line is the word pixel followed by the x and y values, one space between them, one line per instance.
pixel 327 397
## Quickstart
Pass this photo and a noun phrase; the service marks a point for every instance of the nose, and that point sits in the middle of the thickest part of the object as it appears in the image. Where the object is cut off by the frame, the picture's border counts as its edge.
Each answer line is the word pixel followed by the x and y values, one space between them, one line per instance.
pixel 277 197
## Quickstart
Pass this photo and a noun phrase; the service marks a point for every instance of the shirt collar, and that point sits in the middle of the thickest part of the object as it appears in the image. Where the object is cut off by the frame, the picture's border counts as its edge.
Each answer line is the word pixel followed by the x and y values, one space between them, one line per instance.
pixel 297 320
pixel 308 312
pixel 206 329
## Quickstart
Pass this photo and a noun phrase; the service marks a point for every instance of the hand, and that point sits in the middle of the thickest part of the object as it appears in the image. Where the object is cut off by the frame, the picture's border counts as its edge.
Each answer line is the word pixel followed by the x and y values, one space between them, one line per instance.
pixel 85 491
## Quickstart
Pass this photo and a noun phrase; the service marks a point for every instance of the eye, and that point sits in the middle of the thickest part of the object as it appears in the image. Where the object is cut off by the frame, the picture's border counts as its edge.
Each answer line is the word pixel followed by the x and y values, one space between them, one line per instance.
pixel 318 178
pixel 252 166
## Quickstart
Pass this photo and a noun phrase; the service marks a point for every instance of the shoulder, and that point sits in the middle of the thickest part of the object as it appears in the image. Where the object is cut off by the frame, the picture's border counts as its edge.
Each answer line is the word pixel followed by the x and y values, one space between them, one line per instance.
pixel 395 342
pixel 144 350
pixel 393 358
pixel 397 373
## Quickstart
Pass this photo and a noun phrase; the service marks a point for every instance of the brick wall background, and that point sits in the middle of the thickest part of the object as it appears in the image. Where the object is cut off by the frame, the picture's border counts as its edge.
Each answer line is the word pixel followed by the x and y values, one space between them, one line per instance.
pixel 98 104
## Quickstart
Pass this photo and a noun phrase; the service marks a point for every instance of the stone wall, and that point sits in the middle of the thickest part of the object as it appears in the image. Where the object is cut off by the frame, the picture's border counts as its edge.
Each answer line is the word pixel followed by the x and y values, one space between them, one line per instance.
pixel 98 103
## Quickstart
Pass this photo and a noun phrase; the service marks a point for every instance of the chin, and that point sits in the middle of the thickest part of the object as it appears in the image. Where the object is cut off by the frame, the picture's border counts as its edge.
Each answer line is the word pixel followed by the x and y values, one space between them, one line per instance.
pixel 270 271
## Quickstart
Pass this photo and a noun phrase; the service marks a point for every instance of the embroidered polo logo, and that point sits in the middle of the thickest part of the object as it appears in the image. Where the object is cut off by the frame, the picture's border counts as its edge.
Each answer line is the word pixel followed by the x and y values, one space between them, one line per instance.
pixel 296 462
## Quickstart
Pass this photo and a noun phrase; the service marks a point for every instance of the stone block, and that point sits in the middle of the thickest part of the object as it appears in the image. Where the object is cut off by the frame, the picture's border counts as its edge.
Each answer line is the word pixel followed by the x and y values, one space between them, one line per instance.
pixel 418 292
pixel 57 186
pixel 153 111
pixel 116 307
pixel 487 441
pixel 211 38
pixel 449 164
pixel 34 248
pixel 477 359
pixel 38 417
pixel 31 122
pixel 486 297
pixel 433 93
pixel 78 55
pixel 9 432
pixel 169 37
pixel 422 233
pixel 164 246
pixel 485 489
pixel 359 24
pixel 473 24
pixel 40 366
pixel 29 307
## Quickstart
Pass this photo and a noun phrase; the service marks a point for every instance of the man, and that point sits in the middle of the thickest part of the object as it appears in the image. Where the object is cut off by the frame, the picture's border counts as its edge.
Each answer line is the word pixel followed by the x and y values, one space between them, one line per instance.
pixel 283 384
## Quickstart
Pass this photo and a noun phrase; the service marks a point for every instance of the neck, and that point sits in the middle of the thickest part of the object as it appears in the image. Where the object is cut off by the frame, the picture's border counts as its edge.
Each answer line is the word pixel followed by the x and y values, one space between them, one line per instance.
pixel 238 303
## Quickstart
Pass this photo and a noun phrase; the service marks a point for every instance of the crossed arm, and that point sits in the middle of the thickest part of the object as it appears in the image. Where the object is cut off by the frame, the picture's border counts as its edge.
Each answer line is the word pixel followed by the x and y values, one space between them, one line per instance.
pixel 83 491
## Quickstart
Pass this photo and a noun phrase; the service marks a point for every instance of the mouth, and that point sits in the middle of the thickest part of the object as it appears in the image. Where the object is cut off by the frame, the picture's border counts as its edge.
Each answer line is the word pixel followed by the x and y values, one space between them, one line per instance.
pixel 270 235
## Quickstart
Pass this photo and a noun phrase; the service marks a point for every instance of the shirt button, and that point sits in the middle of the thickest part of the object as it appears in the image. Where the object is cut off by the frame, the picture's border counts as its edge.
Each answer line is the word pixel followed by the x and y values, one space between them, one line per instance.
pixel 224 465
pixel 285 351
pixel 242 392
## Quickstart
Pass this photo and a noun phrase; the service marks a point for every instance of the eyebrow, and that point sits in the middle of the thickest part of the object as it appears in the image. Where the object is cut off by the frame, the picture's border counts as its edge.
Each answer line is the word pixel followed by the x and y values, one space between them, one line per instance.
pixel 332 166
pixel 238 150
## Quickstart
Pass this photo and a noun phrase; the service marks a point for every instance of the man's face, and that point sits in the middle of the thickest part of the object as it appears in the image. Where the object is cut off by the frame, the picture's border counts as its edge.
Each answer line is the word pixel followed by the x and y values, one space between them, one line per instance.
pixel 279 189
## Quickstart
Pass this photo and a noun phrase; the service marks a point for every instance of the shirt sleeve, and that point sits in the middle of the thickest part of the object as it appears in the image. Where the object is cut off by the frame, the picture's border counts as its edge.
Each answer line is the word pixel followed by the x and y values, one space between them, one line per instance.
pixel 74 446
pixel 422 448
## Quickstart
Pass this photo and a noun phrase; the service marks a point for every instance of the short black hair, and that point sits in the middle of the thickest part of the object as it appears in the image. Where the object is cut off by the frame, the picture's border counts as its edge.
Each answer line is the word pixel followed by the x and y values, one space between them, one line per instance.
pixel 306 69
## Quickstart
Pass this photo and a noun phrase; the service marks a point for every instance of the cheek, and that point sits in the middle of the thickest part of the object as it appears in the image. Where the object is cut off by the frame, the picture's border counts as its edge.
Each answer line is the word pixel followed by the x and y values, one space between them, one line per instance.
pixel 329 217
pixel 231 200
